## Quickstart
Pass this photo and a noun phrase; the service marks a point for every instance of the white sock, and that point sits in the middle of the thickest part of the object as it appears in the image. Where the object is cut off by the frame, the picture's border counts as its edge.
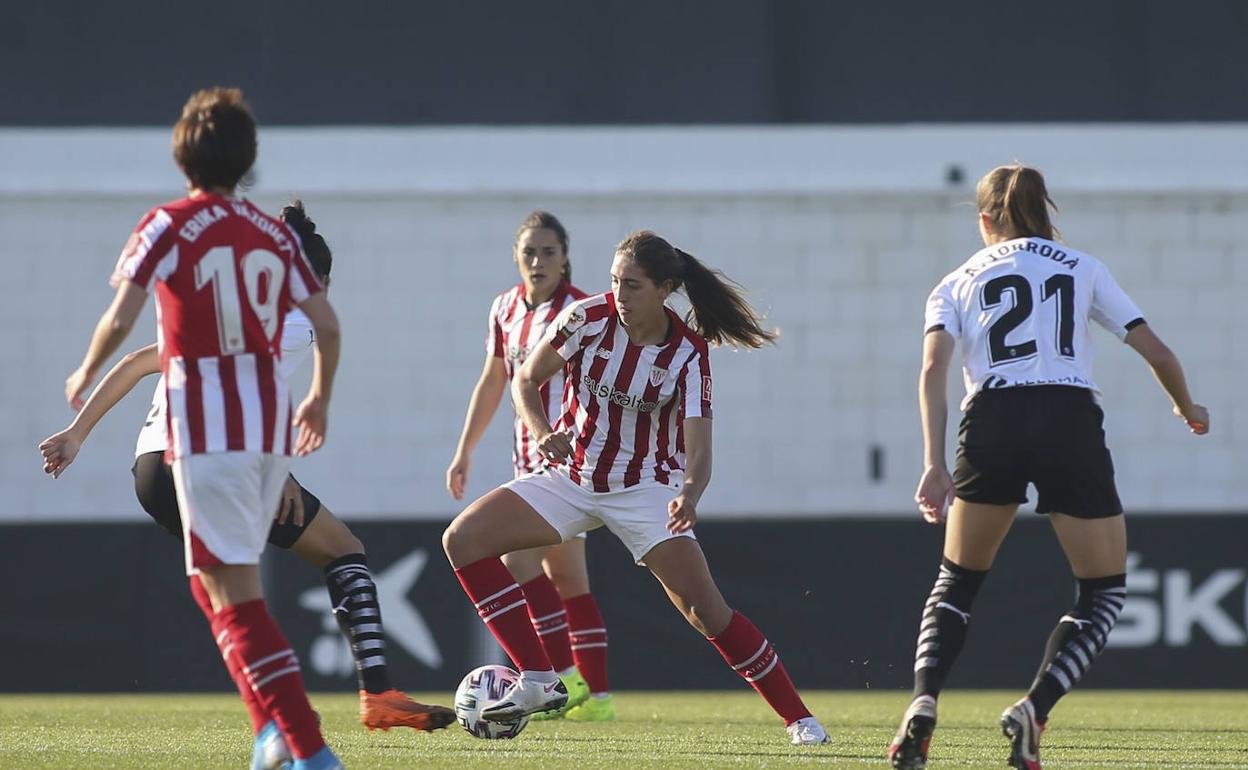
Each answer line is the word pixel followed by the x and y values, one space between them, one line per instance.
pixel 541 677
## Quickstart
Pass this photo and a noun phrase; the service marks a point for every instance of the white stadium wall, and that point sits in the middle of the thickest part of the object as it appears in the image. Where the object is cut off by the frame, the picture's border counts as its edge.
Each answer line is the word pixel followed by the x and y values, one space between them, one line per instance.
pixel 838 234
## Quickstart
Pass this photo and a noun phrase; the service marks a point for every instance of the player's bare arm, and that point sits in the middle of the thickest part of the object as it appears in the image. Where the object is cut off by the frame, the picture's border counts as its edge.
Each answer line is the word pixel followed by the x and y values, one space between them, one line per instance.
pixel 1169 373
pixel 59 450
pixel 682 511
pixel 486 397
pixel 111 330
pixel 313 414
pixel 936 486
pixel 540 366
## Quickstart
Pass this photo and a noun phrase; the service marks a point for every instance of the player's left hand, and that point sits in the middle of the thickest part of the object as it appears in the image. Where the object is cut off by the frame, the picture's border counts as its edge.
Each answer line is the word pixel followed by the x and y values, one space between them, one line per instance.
pixel 682 514
pixel 59 451
pixel 291 506
pixel 312 420
pixel 934 494
pixel 76 387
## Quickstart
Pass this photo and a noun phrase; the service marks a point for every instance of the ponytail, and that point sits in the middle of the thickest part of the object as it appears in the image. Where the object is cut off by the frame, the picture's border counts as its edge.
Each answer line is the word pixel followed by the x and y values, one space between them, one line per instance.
pixel 1017 202
pixel 314 246
pixel 718 310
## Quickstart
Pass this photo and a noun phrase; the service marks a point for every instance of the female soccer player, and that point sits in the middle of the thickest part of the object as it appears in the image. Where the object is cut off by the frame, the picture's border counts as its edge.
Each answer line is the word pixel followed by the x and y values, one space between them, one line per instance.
pixel 1022 308
pixel 631 452
pixel 555 581
pixel 304 525
pixel 225 275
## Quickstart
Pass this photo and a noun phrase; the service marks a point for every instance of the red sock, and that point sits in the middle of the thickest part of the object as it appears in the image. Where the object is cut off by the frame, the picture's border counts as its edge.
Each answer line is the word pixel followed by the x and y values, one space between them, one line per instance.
pixel 753 657
pixel 269 665
pixel 259 717
pixel 550 620
pixel 589 641
pixel 501 604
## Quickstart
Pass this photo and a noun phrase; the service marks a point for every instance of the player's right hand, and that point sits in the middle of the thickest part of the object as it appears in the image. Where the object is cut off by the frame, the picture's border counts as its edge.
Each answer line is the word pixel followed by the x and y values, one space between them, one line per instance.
pixel 312 419
pixel 59 451
pixel 76 387
pixel 555 446
pixel 934 494
pixel 457 476
pixel 1196 417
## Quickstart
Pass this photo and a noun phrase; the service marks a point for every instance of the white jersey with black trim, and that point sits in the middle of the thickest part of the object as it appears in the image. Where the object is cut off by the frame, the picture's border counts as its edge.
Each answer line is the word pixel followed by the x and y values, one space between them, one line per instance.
pixel 298 340
pixel 1021 309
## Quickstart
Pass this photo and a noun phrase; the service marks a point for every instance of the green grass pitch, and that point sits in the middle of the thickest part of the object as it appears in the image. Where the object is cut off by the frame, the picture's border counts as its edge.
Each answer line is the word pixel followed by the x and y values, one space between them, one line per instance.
pixel 703 730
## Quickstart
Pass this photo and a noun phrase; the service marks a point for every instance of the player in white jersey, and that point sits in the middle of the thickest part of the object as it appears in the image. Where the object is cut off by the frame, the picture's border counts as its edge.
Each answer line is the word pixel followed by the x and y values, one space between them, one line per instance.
pixel 303 524
pixel 555 580
pixel 632 452
pixel 1022 309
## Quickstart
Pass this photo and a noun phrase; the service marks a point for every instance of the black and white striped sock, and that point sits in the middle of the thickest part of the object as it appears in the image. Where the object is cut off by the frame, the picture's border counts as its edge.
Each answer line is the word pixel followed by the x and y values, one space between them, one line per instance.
pixel 354 598
pixel 946 618
pixel 1079 637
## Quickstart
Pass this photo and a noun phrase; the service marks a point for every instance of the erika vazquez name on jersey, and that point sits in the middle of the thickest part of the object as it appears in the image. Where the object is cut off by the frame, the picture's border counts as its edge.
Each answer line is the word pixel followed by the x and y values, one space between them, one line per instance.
pixel 1043 249
pixel 626 400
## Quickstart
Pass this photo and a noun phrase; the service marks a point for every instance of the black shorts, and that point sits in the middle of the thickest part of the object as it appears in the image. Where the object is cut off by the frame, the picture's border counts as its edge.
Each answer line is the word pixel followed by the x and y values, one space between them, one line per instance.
pixel 1047 435
pixel 153 485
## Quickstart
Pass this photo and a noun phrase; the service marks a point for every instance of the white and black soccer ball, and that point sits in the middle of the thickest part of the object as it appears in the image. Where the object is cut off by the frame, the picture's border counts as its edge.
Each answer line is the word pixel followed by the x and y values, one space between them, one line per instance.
pixel 481 686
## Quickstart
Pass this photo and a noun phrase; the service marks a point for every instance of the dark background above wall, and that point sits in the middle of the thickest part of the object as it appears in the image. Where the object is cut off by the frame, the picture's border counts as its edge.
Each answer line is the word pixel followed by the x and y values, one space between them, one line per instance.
pixel 76 62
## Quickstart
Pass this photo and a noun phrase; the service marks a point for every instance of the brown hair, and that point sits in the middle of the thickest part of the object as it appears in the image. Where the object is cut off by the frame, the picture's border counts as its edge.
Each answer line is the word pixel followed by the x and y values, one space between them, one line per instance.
pixel 544 220
pixel 718 309
pixel 214 142
pixel 1017 202
pixel 314 246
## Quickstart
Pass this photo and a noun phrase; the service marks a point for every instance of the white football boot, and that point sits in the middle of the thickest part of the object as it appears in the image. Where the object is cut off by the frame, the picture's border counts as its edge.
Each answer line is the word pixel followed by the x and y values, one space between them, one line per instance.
pixel 807 732
pixel 526 696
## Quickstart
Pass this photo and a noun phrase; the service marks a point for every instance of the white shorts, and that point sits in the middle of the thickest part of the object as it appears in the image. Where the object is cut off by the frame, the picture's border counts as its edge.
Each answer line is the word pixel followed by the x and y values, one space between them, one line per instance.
pixel 637 515
pixel 227 501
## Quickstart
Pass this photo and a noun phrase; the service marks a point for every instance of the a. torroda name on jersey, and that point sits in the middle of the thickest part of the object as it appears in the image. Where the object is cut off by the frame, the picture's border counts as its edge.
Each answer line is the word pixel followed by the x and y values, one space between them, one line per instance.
pixel 1049 250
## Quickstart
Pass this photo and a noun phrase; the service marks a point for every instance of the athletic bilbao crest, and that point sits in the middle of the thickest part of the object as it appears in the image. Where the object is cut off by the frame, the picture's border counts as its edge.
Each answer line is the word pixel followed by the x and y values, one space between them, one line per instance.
pixel 657 376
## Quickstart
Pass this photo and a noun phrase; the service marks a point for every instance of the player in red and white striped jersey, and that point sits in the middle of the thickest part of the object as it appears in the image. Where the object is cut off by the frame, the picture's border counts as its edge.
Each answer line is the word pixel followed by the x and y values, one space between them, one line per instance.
pixel 225 275
pixel 303 525
pixel 632 451
pixel 555 580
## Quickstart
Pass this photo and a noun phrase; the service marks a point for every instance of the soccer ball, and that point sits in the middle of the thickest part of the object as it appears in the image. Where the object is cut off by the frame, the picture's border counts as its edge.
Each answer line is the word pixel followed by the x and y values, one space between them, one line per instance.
pixel 486 685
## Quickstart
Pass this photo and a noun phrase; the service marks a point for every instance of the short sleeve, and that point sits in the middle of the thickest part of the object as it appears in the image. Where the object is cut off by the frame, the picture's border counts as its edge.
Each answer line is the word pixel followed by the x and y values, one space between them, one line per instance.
pixel 695 386
pixel 149 253
pixel 1111 307
pixel 569 331
pixel 942 310
pixel 494 346
pixel 297 333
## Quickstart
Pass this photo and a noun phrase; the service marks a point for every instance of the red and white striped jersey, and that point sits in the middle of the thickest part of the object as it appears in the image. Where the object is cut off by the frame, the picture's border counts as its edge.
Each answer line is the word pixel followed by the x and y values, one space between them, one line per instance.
pixel 225 276
pixel 298 340
pixel 626 404
pixel 515 329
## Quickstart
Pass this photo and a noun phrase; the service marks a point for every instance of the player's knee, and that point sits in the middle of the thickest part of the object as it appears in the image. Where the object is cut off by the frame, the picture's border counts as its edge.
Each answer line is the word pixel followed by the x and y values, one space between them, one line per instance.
pixel 450 539
pixel 569 582
pixel 459 542
pixel 709 616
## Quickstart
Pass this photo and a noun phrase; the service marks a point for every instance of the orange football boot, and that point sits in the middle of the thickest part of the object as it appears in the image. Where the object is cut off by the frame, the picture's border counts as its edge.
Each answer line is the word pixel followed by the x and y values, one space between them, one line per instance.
pixel 383 710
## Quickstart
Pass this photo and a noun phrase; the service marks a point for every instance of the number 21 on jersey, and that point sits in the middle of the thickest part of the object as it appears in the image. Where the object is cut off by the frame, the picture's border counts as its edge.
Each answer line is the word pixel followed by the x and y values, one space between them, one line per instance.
pixel 263 273
pixel 1059 287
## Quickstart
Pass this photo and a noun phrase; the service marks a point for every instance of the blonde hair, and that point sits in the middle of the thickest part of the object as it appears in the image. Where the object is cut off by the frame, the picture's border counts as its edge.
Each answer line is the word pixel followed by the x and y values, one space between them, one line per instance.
pixel 1017 202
